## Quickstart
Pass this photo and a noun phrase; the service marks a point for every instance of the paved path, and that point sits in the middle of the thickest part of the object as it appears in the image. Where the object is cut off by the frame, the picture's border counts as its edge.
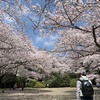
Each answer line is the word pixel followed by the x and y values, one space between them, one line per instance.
pixel 41 94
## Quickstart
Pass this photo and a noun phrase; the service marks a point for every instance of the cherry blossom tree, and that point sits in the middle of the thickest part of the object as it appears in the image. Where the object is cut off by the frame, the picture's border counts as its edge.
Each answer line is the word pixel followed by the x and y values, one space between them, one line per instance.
pixel 19 56
pixel 15 49
pixel 76 21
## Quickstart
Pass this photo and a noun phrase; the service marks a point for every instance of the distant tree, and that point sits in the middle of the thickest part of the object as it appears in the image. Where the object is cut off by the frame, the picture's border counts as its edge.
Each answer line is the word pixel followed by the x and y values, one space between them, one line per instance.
pixel 8 80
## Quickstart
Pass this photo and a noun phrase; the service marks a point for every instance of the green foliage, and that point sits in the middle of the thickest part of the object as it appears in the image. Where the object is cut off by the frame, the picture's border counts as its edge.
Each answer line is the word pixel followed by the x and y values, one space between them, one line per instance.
pixel 35 84
pixel 56 80
pixel 30 83
pixel 73 82
pixel 65 81
pixel 39 85
pixel 62 80
pixel 59 80
pixel 72 75
pixel 8 80
pixel 44 82
pixel 20 80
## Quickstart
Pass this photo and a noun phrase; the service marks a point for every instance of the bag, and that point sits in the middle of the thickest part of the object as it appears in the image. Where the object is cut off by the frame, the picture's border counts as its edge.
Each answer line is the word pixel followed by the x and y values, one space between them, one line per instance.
pixel 86 88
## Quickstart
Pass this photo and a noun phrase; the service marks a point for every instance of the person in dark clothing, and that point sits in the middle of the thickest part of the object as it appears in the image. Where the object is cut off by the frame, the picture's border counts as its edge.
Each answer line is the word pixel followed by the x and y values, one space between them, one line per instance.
pixel 79 93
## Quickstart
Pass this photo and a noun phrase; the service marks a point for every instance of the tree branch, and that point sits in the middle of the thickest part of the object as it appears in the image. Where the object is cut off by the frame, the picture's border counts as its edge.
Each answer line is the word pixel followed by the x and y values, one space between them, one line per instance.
pixel 94 35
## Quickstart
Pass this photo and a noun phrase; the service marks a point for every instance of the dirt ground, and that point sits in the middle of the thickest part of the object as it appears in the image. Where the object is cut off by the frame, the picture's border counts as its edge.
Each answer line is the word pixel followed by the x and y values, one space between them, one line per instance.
pixel 42 94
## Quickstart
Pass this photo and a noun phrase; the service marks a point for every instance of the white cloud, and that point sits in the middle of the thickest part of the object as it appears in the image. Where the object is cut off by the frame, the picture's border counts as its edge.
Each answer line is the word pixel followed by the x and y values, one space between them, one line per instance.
pixel 54 37
pixel 48 43
pixel 39 39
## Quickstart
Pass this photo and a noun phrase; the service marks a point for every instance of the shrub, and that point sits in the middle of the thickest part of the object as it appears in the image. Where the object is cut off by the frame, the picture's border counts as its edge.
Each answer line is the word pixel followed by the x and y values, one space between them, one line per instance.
pixel 39 85
pixel 56 82
pixel 30 83
pixel 60 81
pixel 73 82
pixel 65 81
pixel 44 83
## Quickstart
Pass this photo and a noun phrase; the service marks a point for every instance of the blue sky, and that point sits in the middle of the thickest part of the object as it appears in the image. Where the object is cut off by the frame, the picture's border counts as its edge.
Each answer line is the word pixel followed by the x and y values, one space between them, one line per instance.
pixel 38 41
pixel 42 42
pixel 41 2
